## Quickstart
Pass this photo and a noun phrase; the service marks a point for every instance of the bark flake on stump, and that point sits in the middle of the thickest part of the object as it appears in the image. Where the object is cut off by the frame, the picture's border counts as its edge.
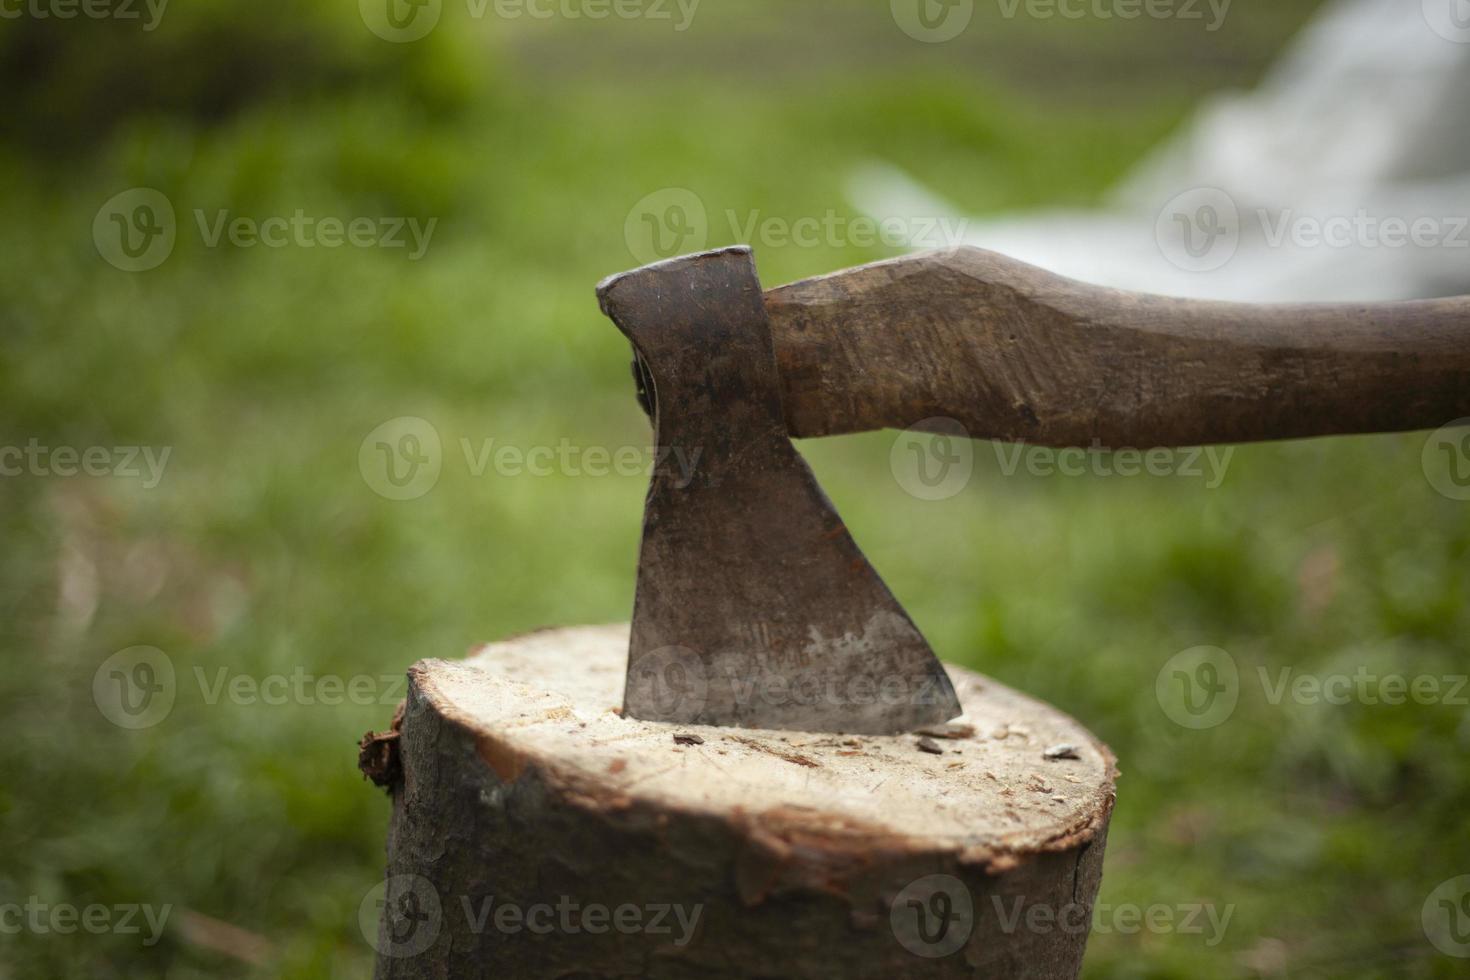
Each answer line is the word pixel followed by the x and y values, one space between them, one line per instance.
pixel 538 834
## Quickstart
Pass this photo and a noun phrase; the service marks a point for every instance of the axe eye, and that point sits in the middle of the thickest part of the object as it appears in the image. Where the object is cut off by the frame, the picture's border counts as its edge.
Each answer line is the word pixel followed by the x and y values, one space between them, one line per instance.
pixel 643 384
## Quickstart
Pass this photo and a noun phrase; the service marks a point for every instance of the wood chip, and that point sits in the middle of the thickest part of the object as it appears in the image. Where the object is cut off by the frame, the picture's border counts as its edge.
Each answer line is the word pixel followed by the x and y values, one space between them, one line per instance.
pixel 927 744
pixel 948 730
pixel 1066 750
pixel 688 740
pixel 791 757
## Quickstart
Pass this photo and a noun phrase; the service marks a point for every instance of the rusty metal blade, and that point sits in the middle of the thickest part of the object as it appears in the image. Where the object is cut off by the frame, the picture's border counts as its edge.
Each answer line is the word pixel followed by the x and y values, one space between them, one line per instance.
pixel 754 606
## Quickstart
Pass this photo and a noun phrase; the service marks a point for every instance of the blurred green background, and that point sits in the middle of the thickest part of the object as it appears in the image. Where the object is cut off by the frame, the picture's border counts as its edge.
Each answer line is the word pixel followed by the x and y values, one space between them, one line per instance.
pixel 264 550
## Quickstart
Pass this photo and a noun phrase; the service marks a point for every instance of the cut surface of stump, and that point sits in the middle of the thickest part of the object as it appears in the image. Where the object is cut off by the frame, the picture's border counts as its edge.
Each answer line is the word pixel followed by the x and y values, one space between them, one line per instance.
pixel 972 849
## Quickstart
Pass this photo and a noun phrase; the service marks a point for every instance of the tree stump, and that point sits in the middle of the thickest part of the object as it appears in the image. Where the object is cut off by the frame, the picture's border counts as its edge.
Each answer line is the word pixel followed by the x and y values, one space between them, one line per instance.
pixel 536 833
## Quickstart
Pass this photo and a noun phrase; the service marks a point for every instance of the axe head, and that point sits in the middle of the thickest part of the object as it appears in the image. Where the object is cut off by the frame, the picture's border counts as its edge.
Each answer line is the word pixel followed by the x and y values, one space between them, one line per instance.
pixel 754 606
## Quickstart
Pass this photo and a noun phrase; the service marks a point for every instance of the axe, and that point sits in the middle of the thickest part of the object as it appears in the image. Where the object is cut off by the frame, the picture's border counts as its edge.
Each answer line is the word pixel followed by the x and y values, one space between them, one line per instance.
pixel 754 606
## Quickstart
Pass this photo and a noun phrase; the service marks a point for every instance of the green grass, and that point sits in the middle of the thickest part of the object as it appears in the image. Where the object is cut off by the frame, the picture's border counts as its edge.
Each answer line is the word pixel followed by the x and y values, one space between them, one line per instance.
pixel 263 551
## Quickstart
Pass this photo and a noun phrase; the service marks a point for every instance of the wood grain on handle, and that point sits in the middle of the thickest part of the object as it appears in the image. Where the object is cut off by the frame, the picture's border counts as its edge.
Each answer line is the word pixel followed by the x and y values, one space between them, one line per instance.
pixel 1016 353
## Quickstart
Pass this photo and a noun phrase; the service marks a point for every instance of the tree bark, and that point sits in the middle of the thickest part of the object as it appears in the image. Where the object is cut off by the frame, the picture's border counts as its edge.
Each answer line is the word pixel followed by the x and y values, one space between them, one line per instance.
pixel 536 833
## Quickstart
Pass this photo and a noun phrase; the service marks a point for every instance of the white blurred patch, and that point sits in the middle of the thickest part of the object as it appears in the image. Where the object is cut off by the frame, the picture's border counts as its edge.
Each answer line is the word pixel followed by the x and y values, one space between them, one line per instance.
pixel 1344 177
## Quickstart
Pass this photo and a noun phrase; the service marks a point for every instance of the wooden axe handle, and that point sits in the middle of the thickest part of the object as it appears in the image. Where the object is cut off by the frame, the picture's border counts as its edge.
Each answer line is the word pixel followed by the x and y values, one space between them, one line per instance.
pixel 1016 353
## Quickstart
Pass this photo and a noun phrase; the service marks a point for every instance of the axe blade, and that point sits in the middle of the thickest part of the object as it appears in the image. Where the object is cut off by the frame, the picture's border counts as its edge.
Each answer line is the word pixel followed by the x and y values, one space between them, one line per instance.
pixel 754 607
